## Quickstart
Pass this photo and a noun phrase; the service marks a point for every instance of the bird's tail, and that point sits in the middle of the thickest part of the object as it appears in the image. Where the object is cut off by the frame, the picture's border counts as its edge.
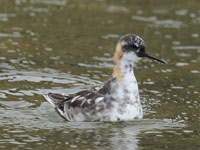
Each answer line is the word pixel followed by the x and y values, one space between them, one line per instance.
pixel 46 96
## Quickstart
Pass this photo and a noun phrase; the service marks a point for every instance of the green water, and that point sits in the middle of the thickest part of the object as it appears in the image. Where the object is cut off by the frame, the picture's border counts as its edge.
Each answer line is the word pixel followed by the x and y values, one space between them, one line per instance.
pixel 65 46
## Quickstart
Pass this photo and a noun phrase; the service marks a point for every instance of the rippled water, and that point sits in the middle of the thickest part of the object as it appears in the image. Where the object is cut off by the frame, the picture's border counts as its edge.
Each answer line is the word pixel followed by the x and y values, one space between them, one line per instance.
pixel 65 46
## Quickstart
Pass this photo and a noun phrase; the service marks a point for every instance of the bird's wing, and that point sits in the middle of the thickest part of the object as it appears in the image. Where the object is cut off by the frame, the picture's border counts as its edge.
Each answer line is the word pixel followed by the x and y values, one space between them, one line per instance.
pixel 88 102
pixel 106 87
pixel 81 99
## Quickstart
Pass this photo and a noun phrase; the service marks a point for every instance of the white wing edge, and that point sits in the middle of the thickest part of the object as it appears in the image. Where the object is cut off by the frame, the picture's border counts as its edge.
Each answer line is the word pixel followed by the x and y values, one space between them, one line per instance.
pixel 50 101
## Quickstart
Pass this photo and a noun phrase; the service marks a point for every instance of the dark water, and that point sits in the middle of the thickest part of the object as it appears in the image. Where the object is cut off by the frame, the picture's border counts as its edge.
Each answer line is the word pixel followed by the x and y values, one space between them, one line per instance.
pixel 65 46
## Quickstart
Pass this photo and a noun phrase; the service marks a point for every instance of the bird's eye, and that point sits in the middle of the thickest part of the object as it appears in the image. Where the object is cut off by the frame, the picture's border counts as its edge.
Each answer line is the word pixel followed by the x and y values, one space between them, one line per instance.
pixel 129 48
pixel 134 46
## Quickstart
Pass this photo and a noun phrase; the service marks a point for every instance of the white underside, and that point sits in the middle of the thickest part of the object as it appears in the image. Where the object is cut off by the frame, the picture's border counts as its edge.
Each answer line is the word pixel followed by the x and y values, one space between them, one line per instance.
pixel 127 106
pixel 127 94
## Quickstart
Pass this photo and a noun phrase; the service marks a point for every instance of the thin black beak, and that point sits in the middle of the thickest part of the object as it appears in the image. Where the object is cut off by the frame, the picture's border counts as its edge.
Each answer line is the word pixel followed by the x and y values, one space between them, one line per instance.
pixel 154 58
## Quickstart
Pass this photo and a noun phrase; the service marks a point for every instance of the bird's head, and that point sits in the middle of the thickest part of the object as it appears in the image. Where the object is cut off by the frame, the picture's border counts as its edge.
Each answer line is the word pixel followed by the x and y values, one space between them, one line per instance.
pixel 132 48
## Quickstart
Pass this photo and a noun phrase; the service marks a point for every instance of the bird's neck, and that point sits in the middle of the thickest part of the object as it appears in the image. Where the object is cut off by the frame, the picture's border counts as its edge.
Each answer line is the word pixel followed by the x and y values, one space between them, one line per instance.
pixel 124 63
pixel 122 70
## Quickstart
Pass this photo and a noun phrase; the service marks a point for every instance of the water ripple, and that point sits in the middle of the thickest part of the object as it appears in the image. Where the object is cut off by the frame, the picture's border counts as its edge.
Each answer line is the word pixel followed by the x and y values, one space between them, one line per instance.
pixel 4 17
pixel 117 9
pixel 168 23
pixel 50 2
pixel 34 76
pixel 190 47
pixel 13 35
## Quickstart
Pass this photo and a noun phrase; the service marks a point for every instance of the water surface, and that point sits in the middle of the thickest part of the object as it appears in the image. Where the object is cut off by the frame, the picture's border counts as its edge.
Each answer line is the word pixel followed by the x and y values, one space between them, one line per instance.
pixel 65 46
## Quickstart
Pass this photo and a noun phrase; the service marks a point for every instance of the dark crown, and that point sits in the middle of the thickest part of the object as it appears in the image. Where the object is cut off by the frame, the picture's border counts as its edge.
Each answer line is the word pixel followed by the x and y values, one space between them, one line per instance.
pixel 133 40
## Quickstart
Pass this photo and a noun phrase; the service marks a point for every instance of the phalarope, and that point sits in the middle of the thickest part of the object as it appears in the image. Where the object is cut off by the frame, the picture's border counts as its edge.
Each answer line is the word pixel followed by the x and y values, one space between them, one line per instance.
pixel 118 98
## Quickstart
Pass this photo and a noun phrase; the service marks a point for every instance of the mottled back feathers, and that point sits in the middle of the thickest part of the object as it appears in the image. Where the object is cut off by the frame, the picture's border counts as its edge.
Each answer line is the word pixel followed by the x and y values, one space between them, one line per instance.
pixel 86 98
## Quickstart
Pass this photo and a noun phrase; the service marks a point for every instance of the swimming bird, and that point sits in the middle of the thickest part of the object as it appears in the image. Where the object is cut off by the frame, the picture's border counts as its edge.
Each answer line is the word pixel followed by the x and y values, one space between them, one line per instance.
pixel 118 98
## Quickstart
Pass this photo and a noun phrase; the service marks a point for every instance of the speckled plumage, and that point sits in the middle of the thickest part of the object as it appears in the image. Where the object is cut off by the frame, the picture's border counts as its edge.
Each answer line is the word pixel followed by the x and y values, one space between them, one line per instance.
pixel 118 98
